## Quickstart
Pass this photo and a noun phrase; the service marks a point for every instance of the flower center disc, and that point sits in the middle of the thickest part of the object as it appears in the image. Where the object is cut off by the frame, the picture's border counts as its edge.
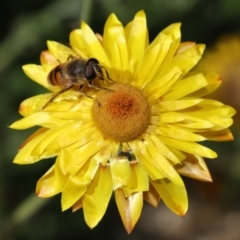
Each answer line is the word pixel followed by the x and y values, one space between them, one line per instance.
pixel 122 114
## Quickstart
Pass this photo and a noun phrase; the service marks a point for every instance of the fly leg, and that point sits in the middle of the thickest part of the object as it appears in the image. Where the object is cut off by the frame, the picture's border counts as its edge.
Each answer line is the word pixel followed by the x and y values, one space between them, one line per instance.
pixel 84 94
pixel 99 88
pixel 57 94
pixel 106 72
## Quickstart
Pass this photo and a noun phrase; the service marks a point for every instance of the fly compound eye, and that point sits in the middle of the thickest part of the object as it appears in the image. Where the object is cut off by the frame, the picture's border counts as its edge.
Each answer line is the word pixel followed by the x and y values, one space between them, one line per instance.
pixel 90 71
pixel 93 61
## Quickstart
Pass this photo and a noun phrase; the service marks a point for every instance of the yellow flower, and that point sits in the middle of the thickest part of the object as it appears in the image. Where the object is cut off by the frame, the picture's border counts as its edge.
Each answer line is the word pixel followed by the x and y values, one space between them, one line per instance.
pixel 224 58
pixel 135 137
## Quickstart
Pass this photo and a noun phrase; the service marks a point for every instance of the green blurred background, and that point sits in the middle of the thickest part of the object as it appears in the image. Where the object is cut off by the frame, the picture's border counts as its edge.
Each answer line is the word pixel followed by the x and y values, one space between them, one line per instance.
pixel 214 209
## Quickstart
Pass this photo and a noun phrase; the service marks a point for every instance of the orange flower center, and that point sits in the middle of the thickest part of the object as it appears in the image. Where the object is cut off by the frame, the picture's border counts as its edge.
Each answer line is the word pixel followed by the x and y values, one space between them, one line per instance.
pixel 121 113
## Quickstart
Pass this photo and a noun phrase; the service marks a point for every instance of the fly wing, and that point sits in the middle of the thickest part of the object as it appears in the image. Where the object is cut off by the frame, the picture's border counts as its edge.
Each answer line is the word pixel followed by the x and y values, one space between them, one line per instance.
pixel 66 53
pixel 62 52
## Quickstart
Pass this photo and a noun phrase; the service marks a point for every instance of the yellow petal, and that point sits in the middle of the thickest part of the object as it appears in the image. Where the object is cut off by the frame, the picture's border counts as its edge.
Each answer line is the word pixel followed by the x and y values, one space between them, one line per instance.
pixel 73 190
pixel 52 136
pixel 111 149
pixel 162 48
pixel 174 196
pixel 145 159
pixel 185 60
pixel 81 115
pixel 149 66
pixel 87 151
pixel 138 181
pixel 25 156
pixel 186 86
pixel 64 102
pixel 93 46
pixel 59 51
pixel 165 151
pixel 219 116
pixel 189 147
pixel 43 119
pixel 175 105
pixel 210 103
pixel 97 197
pixel 32 105
pixel 137 38
pixel 46 184
pixel 159 87
pixel 185 120
pixel 34 135
pixel 77 205
pixel 129 208
pixel 38 74
pixel 60 174
pixel 212 111
pixel 115 44
pixel 47 58
pixel 162 164
pixel 222 135
pixel 60 138
pixel 214 81
pixel 221 122
pixel 179 133
pixel 121 172
pixel 76 40
pixel 194 167
pixel 184 46
pixel 151 196
pixel 179 154
pixel 77 185
pixel 64 160
pixel 127 29
pixel 49 143
pixel 174 31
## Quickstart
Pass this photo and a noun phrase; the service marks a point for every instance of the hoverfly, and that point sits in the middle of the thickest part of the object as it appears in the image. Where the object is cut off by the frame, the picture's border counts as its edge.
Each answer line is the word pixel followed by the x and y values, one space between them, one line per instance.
pixel 76 71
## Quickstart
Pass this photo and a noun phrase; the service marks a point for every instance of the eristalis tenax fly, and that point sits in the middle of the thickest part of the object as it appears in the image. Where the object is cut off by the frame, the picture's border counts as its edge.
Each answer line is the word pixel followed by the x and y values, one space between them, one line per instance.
pixel 75 71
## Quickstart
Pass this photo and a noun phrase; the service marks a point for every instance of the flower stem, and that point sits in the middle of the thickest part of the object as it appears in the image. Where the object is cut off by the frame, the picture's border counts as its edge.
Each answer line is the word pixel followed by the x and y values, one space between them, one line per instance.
pixel 85 10
pixel 27 208
pixel 22 213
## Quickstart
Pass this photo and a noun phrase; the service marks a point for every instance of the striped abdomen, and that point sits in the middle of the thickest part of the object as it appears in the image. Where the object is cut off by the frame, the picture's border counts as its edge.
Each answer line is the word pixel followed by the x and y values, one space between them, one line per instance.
pixel 56 77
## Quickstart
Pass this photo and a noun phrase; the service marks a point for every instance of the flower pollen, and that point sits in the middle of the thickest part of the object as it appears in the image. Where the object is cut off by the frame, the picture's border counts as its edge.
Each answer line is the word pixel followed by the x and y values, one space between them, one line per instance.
pixel 121 113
